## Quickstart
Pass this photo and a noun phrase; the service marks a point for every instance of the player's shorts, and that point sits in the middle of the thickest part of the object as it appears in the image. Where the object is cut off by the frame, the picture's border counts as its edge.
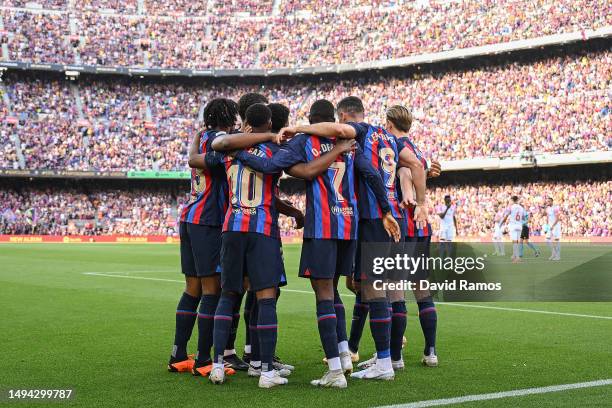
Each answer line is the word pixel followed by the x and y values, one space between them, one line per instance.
pixel 281 266
pixel 555 233
pixel 250 254
pixel 200 249
pixel 525 232
pixel 327 258
pixel 422 248
pixel 372 230
pixel 515 232
pixel 447 234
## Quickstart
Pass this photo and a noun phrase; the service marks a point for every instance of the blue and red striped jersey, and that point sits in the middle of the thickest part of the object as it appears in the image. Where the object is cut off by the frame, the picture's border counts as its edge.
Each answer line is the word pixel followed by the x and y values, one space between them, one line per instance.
pixel 409 222
pixel 208 198
pixel 331 201
pixel 381 150
pixel 252 195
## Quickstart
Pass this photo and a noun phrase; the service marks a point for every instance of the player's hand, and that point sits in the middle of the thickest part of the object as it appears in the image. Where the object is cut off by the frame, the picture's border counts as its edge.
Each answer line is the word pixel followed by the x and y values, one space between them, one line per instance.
pixel 285 134
pixel 420 215
pixel 247 129
pixel 391 226
pixel 345 145
pixel 299 219
pixel 435 169
pixel 407 203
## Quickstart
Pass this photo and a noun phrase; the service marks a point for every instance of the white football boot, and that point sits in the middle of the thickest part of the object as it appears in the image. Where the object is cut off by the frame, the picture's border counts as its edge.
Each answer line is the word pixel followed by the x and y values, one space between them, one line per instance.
pixel 269 381
pixel 347 362
pixel 217 375
pixel 331 379
pixel 375 372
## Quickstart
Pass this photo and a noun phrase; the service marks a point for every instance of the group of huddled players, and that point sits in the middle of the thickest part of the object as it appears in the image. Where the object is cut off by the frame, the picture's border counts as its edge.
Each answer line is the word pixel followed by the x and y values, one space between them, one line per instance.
pixel 364 183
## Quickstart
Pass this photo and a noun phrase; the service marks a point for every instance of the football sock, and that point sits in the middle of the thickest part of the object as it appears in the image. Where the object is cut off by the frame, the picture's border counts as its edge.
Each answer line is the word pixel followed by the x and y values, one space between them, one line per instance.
pixel 398 327
pixel 428 318
pixel 327 323
pixel 380 322
pixel 235 322
pixel 267 331
pixel 521 250
pixel 533 247
pixel 340 318
pixel 248 305
pixel 206 316
pixel 360 315
pixel 558 249
pixel 186 313
pixel 223 324
pixel 255 355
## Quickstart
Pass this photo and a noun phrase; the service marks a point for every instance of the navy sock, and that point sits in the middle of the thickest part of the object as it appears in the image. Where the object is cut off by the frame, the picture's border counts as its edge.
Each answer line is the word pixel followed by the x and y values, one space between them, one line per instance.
pixel 255 354
pixel 327 322
pixel 248 306
pixel 429 321
pixel 398 327
pixel 206 321
pixel 267 331
pixel 340 318
pixel 223 324
pixel 235 322
pixel 186 313
pixel 360 315
pixel 380 320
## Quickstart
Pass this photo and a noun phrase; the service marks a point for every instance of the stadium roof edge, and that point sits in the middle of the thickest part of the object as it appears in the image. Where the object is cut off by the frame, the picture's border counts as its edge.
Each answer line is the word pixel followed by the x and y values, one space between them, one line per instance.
pixel 500 48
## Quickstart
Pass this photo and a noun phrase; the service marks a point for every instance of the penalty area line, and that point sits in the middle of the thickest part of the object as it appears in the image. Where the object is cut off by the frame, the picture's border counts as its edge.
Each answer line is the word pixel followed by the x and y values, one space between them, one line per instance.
pixel 307 292
pixel 500 395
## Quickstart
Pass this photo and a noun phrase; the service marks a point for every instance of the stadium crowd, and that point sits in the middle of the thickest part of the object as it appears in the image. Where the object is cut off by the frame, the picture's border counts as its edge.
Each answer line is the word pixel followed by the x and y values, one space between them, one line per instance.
pixel 248 34
pixel 555 105
pixel 71 212
pixel 586 209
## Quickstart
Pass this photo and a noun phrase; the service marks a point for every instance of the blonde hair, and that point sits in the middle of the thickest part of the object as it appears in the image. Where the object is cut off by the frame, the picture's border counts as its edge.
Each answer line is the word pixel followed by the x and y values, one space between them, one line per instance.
pixel 400 116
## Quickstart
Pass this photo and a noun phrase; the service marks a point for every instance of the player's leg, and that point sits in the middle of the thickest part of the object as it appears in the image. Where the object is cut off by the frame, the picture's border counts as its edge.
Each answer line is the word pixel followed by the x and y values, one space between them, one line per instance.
pixel 186 310
pixel 249 303
pixel 263 256
pixel 345 258
pixel 233 253
pixel 318 263
pixel 230 357
pixel 211 289
pixel 360 308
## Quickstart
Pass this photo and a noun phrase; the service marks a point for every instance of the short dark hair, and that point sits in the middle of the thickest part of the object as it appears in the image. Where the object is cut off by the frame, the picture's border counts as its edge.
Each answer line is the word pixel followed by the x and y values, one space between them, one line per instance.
pixel 280 116
pixel 447 197
pixel 247 100
pixel 351 104
pixel 220 113
pixel 321 111
pixel 514 198
pixel 258 115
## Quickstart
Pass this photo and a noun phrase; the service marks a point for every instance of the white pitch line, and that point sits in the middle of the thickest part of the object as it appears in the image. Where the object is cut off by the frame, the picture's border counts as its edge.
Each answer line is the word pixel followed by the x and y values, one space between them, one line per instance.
pixel 509 309
pixel 512 309
pixel 499 395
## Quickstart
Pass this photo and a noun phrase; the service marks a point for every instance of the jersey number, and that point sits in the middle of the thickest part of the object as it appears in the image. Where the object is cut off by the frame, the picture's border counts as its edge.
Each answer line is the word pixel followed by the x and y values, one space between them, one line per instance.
pixel 338 168
pixel 389 165
pixel 250 190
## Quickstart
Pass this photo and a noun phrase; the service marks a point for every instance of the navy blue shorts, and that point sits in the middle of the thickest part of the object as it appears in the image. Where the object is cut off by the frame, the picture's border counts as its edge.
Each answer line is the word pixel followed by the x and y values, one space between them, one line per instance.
pixel 250 254
pixel 200 249
pixel 372 230
pixel 327 258
pixel 420 247
pixel 281 266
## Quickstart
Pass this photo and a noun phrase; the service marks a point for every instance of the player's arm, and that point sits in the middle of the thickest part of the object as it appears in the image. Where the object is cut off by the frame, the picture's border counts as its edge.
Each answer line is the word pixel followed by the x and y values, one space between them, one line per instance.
pixel 407 158
pixel 281 160
pixel 323 129
pixel 318 166
pixel 405 178
pixel 196 159
pixel 286 208
pixel 373 179
pixel 434 170
pixel 238 141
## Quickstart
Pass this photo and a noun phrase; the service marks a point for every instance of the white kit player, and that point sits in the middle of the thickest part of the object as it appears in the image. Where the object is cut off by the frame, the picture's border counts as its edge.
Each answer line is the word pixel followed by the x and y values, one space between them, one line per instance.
pixel 448 225
pixel 498 232
pixel 553 219
pixel 515 215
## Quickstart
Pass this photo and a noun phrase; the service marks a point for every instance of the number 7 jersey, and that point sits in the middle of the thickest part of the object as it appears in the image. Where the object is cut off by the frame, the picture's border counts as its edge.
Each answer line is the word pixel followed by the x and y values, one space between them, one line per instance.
pixel 252 195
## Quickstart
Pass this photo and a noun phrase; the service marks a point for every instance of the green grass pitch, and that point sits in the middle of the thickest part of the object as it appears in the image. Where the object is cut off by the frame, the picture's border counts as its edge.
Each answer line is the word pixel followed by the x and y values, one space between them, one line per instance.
pixel 109 337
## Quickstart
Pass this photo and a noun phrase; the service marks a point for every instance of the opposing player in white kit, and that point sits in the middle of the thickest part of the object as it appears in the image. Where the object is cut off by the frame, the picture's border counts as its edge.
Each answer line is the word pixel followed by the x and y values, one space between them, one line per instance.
pixel 498 243
pixel 514 215
pixel 448 225
pixel 553 215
